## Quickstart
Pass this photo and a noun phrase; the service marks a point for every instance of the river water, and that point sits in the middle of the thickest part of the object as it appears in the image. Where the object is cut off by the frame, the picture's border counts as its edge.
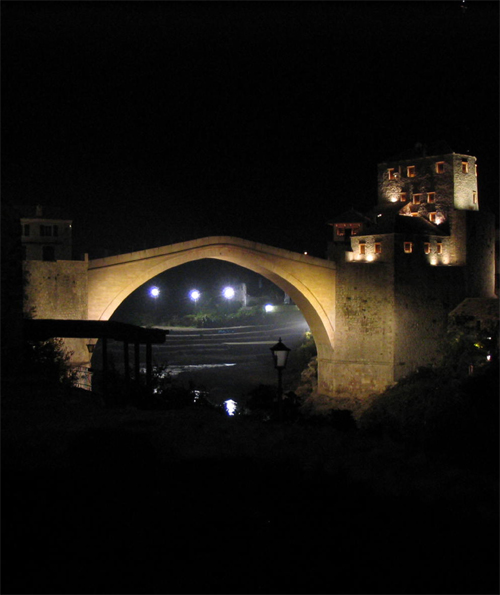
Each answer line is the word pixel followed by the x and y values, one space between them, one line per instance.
pixel 227 362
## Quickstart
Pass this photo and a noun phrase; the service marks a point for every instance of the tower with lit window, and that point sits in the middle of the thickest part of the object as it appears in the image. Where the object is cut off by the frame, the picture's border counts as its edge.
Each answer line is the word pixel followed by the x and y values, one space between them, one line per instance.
pixel 406 264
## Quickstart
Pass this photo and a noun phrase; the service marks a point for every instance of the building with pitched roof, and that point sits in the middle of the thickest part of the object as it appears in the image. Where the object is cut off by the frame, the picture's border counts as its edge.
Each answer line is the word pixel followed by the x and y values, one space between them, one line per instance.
pixel 46 233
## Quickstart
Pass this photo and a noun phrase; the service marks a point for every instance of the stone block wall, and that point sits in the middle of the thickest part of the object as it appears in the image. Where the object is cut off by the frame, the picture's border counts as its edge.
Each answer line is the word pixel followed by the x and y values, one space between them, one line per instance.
pixel 364 328
pixel 423 297
pixel 480 249
pixel 59 290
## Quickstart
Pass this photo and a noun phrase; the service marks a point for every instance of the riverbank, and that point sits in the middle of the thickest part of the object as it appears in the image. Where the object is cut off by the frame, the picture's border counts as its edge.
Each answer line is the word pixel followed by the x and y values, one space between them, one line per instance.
pixel 129 501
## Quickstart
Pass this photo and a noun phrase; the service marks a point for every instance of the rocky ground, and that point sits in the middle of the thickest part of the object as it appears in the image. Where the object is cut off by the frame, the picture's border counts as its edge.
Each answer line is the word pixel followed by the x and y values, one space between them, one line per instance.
pixel 191 501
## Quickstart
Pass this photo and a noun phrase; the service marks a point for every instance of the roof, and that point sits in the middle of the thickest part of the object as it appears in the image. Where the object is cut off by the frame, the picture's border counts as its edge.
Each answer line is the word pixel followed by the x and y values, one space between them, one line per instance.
pixel 41 329
pixel 482 308
pixel 350 216
pixel 419 150
pixel 386 218
pixel 42 212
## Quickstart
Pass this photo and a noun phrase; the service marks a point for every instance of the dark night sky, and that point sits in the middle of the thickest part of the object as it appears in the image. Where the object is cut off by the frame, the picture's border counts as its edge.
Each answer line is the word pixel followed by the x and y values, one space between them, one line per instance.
pixel 157 122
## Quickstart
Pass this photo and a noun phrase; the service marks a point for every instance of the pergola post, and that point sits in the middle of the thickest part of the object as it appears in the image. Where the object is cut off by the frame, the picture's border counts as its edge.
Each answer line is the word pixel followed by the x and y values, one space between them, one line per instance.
pixel 126 361
pixel 149 366
pixel 104 341
pixel 136 361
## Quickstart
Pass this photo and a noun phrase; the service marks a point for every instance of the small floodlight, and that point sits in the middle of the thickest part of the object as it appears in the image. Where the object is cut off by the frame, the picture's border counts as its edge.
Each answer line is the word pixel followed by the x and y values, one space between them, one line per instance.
pixel 228 293
pixel 194 294
pixel 268 307
pixel 154 292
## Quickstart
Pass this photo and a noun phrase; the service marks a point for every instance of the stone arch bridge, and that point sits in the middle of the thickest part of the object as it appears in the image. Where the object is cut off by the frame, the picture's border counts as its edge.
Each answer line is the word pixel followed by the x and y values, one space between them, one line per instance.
pixel 349 309
pixel 308 280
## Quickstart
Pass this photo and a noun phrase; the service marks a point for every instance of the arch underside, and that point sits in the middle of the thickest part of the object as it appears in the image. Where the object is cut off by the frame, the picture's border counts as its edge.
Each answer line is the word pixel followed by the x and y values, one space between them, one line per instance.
pixel 273 267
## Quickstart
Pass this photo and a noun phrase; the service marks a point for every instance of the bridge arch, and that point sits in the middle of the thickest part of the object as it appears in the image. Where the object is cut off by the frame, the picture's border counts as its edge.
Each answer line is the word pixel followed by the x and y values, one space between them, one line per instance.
pixel 309 281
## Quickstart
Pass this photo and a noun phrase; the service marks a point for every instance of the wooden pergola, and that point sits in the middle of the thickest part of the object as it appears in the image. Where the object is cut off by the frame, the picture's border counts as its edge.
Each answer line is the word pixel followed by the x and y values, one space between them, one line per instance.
pixel 42 329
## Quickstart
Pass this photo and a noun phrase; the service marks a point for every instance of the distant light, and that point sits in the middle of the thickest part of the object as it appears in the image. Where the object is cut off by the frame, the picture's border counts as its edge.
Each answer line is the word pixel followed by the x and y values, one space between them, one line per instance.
pixel 228 293
pixel 379 215
pixel 194 294
pixel 230 406
pixel 305 253
pixel 488 357
pixel 269 308
pixel 154 292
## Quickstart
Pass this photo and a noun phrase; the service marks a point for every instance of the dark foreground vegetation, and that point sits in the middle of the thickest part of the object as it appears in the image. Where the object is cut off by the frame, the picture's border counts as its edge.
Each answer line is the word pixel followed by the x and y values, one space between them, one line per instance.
pixel 400 498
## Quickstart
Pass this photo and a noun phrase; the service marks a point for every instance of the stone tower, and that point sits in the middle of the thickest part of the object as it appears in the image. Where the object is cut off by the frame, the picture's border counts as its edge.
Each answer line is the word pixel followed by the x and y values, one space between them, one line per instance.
pixel 405 265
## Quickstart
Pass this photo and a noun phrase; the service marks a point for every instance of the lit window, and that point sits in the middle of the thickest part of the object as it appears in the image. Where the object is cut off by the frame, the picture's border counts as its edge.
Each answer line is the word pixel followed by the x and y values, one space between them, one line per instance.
pixel 408 247
pixel 475 168
pixel 465 166
pixel 378 248
pixel 417 199
pixel 427 247
pixel 355 229
pixel 340 231
pixel 362 248
pixel 432 217
pixel 474 198
pixel 439 246
pixel 440 167
pixel 392 174
pixel 431 197
pixel 403 197
pixel 410 171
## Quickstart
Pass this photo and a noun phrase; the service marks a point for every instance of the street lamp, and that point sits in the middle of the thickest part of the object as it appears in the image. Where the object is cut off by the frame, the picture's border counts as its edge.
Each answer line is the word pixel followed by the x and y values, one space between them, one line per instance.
pixel 228 293
pixel 194 294
pixel 280 356
pixel 154 292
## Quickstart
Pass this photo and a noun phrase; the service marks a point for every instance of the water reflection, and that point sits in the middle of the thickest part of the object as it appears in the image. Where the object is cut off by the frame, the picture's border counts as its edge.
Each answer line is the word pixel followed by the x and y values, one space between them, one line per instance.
pixel 175 370
pixel 230 406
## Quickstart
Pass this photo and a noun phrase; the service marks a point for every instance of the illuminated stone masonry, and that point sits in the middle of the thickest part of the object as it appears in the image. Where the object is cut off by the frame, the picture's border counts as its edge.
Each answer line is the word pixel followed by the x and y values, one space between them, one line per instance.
pixel 377 306
pixel 406 264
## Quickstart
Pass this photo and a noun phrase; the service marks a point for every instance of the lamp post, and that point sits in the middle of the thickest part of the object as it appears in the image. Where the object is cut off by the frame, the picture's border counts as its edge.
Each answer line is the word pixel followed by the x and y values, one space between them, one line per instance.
pixel 280 356
pixel 228 293
pixel 154 292
pixel 194 294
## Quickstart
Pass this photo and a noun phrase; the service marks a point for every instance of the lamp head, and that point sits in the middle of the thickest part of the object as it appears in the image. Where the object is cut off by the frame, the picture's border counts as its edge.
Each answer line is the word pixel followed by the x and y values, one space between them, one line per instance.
pixel 280 355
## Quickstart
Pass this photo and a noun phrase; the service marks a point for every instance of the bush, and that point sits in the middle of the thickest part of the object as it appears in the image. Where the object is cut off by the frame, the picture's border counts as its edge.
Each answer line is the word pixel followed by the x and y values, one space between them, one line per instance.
pixel 452 417
pixel 49 363
pixel 260 401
